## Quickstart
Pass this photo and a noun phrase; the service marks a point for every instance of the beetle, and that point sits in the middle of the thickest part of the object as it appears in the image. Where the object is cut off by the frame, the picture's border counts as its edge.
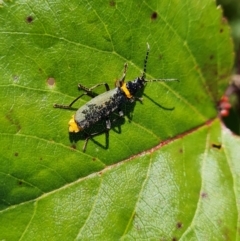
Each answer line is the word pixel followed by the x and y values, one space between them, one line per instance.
pixel 102 105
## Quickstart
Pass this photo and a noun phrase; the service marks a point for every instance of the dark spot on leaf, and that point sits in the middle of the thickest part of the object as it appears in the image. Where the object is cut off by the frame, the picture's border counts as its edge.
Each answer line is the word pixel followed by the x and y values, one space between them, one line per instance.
pixel 174 239
pixel 51 81
pixel 211 56
pixel 29 19
pixel 100 173
pixel 16 154
pixel 217 146
pixel 154 16
pixel 94 159
pixel 181 150
pixel 112 3
pixel 160 56
pixel 40 158
pixel 179 225
pixel 221 30
pixel 203 195
pixel 20 182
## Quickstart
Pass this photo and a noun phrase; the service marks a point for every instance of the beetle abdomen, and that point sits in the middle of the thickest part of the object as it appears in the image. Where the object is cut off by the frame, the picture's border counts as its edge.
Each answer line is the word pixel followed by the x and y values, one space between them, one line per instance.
pixel 99 107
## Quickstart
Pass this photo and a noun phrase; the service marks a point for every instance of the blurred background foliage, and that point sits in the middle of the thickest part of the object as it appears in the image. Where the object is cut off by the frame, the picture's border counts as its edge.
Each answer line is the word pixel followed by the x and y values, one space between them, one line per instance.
pixel 231 11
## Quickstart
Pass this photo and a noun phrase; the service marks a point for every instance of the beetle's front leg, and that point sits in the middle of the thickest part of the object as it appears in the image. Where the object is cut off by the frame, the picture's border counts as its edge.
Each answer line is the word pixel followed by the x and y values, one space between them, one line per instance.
pixel 134 98
pixel 139 99
pixel 120 82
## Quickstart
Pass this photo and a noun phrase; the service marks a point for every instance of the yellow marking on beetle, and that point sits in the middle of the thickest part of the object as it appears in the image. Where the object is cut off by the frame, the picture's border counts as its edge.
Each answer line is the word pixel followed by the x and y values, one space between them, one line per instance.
pixel 126 91
pixel 73 127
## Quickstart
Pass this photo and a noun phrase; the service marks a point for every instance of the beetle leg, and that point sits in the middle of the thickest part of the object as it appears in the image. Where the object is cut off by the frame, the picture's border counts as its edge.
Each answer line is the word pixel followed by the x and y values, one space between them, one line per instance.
pixel 108 124
pixel 120 115
pixel 120 112
pixel 70 105
pixel 89 90
pixel 134 98
pixel 140 99
pixel 85 144
pixel 106 131
pixel 92 135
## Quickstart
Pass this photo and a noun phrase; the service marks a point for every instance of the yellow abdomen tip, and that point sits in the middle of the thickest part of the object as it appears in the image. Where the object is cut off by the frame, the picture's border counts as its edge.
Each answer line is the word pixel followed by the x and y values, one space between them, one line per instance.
pixel 73 127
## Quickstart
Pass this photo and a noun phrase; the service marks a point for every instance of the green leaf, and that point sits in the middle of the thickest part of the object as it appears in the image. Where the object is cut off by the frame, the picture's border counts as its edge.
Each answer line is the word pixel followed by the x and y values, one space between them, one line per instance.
pixel 169 169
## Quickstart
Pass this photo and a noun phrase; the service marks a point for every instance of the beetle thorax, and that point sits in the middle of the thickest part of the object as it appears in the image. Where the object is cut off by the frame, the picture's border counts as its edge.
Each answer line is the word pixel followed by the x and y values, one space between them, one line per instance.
pixel 135 85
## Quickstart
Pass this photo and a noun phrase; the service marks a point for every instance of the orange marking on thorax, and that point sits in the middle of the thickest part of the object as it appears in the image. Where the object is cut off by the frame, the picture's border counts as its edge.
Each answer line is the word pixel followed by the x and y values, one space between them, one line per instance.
pixel 126 91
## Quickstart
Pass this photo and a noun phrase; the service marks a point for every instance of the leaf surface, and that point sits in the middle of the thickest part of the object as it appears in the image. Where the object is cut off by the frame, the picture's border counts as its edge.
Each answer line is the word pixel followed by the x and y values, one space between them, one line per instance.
pixel 168 170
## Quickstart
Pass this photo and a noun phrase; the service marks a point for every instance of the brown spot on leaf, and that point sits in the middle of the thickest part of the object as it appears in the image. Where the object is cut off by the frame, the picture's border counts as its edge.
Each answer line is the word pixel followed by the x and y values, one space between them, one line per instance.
pixel 154 16
pixel 203 194
pixel 179 225
pixel 51 81
pixel 29 19
pixel 16 154
pixel 211 56
pixel 217 146
pixel 112 3
pixel 20 182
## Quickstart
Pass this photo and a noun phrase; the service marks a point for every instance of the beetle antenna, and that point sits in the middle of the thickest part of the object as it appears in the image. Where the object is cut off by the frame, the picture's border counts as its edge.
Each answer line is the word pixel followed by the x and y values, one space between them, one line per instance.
pixel 145 69
pixel 158 80
pixel 145 62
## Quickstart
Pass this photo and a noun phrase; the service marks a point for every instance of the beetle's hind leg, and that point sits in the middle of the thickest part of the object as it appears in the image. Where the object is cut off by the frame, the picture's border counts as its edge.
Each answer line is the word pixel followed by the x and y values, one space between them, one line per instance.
pixel 70 105
pixel 88 91
pixel 106 131
pixel 92 135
